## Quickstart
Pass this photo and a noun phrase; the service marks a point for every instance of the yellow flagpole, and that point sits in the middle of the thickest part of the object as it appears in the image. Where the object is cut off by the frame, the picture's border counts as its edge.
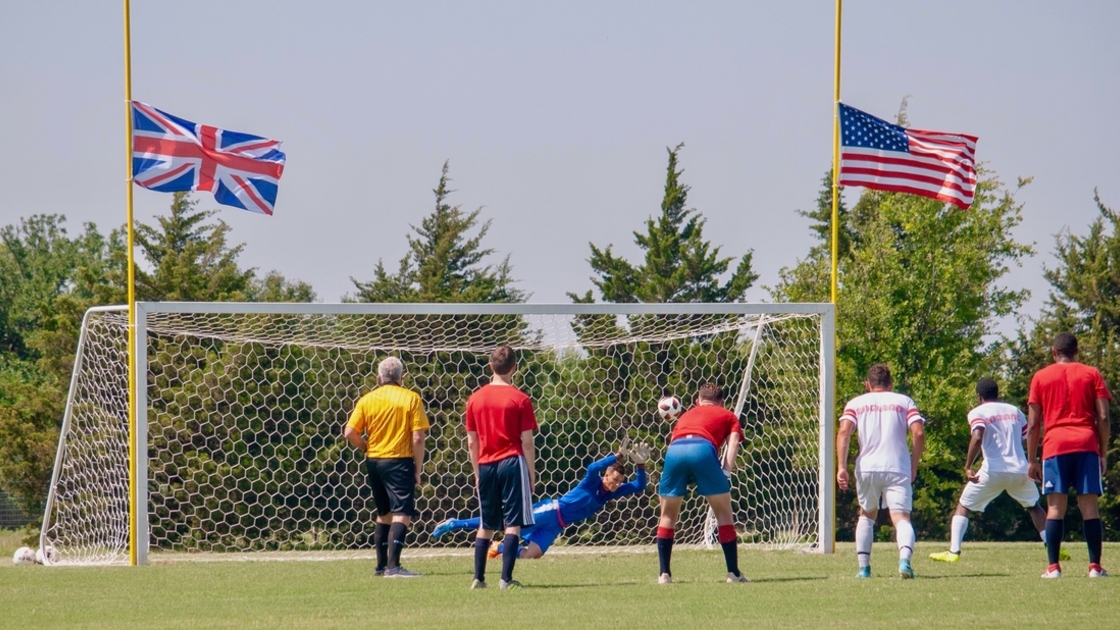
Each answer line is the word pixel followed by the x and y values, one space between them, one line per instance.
pixel 133 447
pixel 836 163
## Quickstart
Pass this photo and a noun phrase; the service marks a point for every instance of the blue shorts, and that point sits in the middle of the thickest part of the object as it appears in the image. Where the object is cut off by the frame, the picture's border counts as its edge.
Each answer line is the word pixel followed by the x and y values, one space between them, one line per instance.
pixel 547 527
pixel 505 494
pixel 692 460
pixel 1080 471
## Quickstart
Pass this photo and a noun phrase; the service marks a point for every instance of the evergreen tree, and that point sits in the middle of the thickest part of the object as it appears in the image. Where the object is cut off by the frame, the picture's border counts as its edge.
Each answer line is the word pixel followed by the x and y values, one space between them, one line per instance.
pixel 443 263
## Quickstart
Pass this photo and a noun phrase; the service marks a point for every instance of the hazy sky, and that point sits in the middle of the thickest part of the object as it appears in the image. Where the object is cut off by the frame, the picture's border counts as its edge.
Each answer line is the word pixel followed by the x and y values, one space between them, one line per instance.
pixel 555 116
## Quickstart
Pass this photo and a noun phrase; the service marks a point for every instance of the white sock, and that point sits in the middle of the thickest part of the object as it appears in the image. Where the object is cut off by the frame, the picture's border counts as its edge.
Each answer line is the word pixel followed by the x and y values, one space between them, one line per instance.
pixel 865 534
pixel 904 535
pixel 959 527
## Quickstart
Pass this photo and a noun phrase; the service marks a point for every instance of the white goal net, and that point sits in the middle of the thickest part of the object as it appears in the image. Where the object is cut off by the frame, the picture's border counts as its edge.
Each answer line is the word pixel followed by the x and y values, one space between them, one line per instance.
pixel 242 407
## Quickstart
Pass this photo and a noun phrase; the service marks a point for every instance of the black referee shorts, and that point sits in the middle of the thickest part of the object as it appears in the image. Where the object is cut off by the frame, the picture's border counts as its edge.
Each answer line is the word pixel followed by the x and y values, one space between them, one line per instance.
pixel 394 485
pixel 505 494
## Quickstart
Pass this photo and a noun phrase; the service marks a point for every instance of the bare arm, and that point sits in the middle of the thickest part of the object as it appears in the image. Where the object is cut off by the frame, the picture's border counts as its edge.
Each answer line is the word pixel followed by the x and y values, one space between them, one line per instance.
pixel 1034 426
pixel 530 457
pixel 732 452
pixel 355 438
pixel 418 438
pixel 973 452
pixel 1103 431
pixel 917 446
pixel 474 447
pixel 843 442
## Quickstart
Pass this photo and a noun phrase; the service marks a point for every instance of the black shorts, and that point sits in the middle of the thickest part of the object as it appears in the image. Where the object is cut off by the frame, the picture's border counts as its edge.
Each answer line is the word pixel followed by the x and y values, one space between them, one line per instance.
pixel 394 485
pixel 505 494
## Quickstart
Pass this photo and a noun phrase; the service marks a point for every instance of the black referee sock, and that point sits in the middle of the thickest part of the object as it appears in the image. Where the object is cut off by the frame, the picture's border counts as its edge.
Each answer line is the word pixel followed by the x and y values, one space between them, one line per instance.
pixel 397 533
pixel 481 546
pixel 1055 529
pixel 511 546
pixel 1094 532
pixel 381 544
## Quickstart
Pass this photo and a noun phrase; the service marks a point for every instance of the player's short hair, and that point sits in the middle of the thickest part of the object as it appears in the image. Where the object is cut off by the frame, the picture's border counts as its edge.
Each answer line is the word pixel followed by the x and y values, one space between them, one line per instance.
pixel 710 392
pixel 622 467
pixel 503 360
pixel 390 370
pixel 1065 344
pixel 879 376
pixel 987 389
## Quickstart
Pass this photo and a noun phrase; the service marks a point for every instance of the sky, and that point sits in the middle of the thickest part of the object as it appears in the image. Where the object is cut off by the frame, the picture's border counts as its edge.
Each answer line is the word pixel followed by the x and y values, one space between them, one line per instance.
pixel 555 117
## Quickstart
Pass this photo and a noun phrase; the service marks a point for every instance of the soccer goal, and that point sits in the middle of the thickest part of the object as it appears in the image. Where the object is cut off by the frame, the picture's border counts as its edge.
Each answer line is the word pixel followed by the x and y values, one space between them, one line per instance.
pixel 241 409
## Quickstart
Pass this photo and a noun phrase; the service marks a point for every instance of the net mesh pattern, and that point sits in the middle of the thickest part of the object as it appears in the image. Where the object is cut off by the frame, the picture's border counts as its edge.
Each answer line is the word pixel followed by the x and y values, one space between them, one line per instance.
pixel 245 414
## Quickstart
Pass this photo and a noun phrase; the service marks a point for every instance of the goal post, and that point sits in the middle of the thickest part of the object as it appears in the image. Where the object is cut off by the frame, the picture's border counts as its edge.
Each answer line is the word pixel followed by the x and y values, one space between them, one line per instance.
pixel 241 406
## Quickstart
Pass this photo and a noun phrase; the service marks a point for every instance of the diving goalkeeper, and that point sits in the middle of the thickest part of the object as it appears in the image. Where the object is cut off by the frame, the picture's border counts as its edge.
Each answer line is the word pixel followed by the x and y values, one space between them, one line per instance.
pixel 605 481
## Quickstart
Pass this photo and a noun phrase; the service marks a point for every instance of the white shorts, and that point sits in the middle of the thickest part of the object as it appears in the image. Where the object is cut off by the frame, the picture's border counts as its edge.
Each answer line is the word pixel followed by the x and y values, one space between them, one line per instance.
pixel 893 490
pixel 976 496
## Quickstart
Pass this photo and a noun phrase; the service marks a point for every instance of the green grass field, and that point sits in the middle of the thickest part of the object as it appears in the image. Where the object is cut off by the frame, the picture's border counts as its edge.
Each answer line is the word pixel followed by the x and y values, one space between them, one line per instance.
pixel 994 586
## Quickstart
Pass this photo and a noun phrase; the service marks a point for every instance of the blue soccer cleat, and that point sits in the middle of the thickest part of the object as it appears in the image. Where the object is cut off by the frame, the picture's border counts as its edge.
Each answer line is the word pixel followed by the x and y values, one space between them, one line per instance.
pixel 443 529
pixel 904 570
pixel 864 573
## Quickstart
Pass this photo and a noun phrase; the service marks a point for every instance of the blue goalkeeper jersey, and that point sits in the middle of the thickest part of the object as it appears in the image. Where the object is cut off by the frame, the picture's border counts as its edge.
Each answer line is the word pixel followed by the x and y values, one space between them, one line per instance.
pixel 587 498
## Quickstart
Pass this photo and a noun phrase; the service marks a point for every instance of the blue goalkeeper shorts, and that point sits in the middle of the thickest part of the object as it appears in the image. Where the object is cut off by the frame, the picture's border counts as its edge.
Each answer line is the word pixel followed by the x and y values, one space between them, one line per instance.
pixel 692 460
pixel 546 528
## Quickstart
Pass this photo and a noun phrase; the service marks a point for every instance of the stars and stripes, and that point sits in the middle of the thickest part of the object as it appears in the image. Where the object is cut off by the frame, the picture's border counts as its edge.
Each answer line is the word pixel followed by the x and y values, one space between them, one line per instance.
pixel 876 154
pixel 170 154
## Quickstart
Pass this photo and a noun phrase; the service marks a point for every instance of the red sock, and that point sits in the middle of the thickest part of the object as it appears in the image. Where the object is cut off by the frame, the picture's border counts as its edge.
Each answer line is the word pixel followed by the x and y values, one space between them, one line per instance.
pixel 727 534
pixel 665 533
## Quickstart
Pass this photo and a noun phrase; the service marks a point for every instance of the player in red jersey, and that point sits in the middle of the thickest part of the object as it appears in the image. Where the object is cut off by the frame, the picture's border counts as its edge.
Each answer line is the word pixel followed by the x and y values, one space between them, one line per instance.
pixel 1070 401
pixel 692 455
pixel 500 425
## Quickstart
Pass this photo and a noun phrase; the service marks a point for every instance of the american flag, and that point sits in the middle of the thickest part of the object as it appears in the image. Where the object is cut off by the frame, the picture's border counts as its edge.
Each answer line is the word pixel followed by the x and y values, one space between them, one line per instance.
pixel 170 154
pixel 876 154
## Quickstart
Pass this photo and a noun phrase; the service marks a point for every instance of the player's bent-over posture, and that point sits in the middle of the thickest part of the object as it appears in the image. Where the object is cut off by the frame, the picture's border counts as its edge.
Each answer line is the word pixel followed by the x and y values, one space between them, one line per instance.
pixel 692 457
pixel 998 430
pixel 1070 402
pixel 500 425
pixel 392 420
pixel 605 481
pixel 884 468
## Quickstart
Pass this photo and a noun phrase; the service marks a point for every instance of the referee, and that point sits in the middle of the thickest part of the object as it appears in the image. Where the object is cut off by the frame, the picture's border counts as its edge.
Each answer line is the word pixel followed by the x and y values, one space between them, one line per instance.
pixel 389 424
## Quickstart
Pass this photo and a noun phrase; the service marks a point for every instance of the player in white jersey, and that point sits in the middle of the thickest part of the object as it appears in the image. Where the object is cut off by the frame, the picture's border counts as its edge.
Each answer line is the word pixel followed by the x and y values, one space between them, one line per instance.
pixel 885 470
pixel 998 430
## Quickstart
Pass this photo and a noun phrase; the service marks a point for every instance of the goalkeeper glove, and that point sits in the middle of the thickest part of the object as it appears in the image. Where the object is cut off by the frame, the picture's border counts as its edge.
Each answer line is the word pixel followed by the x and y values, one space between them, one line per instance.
pixel 639 454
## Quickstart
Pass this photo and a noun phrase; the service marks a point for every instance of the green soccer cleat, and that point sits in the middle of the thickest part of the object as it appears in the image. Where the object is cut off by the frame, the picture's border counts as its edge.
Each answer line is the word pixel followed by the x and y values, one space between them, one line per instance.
pixel 1063 555
pixel 864 573
pixel 945 556
pixel 904 570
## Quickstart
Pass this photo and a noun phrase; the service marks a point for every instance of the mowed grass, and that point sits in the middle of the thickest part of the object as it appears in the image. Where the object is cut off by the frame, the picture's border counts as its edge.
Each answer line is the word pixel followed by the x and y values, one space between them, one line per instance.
pixel 994 586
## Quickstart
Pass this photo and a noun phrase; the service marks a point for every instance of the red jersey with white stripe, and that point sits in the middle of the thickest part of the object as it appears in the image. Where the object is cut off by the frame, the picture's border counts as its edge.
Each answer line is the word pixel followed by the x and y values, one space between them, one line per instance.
pixel 499 413
pixel 1004 429
pixel 882 422
pixel 1068 393
pixel 711 422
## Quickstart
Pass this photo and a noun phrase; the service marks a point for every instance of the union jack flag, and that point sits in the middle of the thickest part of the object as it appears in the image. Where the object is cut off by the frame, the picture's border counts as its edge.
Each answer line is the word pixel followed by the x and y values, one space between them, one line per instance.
pixel 170 154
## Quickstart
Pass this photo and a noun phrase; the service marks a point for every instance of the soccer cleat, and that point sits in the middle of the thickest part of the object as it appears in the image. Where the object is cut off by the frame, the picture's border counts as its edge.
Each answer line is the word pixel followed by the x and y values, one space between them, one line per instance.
pixel 945 556
pixel 477 584
pixel 401 572
pixel 493 552
pixel 904 570
pixel 864 573
pixel 379 572
pixel 511 585
pixel 443 529
pixel 1063 555
pixel 664 578
pixel 1096 571
pixel 1053 571
pixel 736 579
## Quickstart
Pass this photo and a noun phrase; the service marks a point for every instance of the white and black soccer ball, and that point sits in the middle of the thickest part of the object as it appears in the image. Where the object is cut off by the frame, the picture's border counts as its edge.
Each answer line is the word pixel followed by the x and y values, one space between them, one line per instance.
pixel 47 555
pixel 669 408
pixel 23 555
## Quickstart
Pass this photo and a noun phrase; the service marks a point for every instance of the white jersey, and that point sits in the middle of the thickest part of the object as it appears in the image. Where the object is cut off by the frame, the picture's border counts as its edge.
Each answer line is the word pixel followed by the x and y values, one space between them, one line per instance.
pixel 882 421
pixel 1004 430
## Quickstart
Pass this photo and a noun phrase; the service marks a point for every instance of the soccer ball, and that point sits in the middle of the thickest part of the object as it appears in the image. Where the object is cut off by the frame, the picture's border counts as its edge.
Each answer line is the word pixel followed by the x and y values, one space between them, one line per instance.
pixel 669 408
pixel 23 555
pixel 46 555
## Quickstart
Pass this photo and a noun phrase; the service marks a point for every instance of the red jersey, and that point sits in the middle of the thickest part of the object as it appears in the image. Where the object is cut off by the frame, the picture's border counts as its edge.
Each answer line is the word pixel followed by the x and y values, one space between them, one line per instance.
pixel 711 422
pixel 1068 393
pixel 499 413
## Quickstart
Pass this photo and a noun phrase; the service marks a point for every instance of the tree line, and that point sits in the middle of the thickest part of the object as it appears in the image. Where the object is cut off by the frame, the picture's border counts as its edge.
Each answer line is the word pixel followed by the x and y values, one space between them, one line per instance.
pixel 921 289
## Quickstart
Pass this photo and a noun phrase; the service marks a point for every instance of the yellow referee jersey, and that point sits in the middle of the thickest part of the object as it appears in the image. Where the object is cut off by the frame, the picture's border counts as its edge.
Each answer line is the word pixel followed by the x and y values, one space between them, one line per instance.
pixel 387 416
